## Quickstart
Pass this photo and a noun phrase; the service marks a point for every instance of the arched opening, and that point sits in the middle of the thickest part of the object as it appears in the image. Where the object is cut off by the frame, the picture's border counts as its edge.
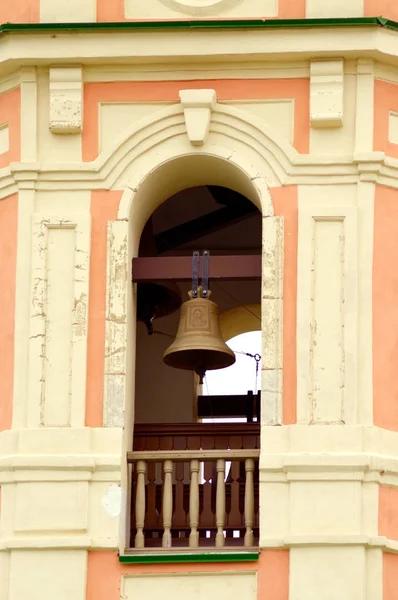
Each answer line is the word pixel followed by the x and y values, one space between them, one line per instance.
pixel 167 400
pixel 210 218
pixel 154 480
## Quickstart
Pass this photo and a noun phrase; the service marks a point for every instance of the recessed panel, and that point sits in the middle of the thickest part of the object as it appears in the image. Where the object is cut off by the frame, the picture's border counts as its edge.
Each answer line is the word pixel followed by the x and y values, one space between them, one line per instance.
pixel 195 586
pixel 51 506
pixel 116 117
pixel 337 8
pixel 278 114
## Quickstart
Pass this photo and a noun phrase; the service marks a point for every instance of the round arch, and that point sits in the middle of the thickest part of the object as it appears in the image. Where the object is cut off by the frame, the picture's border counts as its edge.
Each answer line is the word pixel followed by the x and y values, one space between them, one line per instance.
pixel 154 167
pixel 167 167
pixel 240 319
pixel 174 172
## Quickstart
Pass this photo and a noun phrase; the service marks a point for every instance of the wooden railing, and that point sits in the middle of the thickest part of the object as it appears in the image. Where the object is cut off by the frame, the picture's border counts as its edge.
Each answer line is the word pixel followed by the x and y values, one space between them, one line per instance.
pixel 205 496
pixel 194 436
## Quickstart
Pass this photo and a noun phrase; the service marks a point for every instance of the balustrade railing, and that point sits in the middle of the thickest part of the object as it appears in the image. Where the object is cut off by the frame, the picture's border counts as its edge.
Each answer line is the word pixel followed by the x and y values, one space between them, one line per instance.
pixel 193 498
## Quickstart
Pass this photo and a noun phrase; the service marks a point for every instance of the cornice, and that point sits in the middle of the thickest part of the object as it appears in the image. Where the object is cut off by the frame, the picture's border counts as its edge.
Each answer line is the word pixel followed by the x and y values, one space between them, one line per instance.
pixel 200 24
pixel 305 169
pixel 45 44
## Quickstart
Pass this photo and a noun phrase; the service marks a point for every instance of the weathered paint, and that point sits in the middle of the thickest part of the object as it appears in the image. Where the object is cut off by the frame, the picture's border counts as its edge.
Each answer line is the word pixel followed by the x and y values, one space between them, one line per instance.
pixel 8 259
pixel 20 11
pixel 228 89
pixel 10 111
pixel 285 205
pixel 104 206
pixel 104 573
pixel 385 314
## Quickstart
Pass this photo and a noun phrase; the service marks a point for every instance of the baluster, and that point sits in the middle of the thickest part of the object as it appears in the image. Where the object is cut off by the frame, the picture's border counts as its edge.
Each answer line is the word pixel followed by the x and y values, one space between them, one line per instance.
pixel 179 514
pixel 194 505
pixel 249 502
pixel 167 503
pixel 220 503
pixel 140 505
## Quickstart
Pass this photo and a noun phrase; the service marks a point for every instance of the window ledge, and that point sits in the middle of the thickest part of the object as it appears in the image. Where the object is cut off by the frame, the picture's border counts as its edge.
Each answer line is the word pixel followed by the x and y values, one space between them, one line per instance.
pixel 149 558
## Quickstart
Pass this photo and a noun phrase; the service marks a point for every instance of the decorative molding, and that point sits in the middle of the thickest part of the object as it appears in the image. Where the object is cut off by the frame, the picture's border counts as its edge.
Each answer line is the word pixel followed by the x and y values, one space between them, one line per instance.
pixel 66 99
pixel 285 166
pixel 327 385
pixel 116 324
pixel 58 542
pixel 189 43
pixel 327 93
pixel 51 366
pixel 197 106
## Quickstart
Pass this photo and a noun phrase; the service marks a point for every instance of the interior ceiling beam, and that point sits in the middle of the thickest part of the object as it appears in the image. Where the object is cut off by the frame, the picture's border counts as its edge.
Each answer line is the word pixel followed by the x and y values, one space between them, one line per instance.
pixel 204 225
pixel 179 268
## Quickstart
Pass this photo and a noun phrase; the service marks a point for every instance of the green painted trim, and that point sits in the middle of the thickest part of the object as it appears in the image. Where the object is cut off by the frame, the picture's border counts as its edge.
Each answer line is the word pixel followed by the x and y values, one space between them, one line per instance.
pixel 189 25
pixel 208 557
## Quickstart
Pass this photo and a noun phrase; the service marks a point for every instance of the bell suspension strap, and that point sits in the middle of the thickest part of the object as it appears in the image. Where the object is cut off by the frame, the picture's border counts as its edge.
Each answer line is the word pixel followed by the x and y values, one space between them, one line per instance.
pixel 205 273
pixel 195 273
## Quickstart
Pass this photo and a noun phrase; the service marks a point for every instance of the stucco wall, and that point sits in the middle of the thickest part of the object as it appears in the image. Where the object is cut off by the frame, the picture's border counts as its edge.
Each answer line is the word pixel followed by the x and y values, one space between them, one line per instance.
pixel 313 144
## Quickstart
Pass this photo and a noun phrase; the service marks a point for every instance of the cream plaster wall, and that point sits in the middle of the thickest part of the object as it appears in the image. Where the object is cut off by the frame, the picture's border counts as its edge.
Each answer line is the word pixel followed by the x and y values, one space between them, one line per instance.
pixel 73 11
pixel 338 8
pixel 278 114
pixel 336 573
pixel 114 117
pixel 196 586
pixel 328 305
pixel 338 140
pixel 62 574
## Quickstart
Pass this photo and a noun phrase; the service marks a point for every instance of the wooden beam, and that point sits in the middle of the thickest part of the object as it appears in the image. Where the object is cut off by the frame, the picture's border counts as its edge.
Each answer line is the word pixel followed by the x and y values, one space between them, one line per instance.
pixel 202 226
pixel 179 268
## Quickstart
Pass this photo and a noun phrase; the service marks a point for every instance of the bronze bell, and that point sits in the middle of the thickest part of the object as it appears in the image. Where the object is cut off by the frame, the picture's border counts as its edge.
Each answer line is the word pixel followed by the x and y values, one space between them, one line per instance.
pixel 199 346
pixel 156 299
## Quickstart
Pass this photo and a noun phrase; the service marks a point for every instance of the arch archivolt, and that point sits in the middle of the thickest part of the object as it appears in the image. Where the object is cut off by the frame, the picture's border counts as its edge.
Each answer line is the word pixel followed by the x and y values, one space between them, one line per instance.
pixel 155 162
pixel 165 133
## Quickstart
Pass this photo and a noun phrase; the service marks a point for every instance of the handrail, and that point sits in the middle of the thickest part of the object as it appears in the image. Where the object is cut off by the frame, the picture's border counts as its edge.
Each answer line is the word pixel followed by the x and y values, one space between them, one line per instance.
pixel 184 455
pixel 156 429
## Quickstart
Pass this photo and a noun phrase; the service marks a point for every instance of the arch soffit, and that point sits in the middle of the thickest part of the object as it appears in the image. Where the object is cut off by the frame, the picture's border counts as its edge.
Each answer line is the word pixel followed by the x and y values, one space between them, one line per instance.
pixel 149 134
pixel 240 319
